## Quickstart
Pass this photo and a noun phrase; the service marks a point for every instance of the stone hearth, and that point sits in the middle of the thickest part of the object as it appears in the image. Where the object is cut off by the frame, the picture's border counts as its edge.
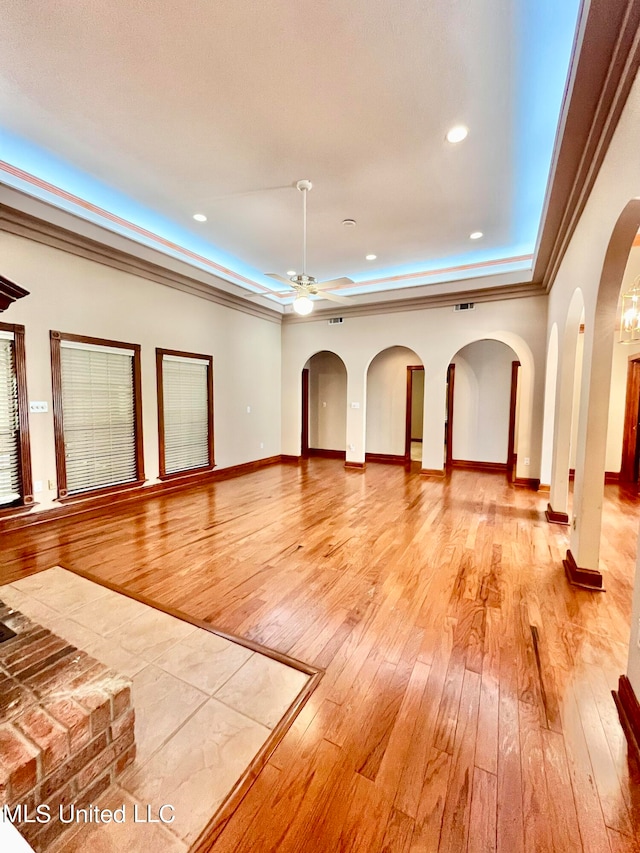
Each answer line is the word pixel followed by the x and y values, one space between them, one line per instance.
pixel 66 726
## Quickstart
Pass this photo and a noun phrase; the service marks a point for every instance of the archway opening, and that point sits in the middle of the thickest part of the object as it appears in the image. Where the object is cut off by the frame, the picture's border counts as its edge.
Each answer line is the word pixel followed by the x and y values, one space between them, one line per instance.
pixel 324 406
pixel 395 406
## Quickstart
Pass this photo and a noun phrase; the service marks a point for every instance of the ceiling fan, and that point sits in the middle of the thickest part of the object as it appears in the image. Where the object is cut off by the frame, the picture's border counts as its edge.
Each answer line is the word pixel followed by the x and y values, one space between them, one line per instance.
pixel 303 285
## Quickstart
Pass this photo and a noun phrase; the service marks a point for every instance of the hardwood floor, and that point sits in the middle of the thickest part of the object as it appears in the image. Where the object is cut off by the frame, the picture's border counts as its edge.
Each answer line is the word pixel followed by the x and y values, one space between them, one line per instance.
pixel 466 703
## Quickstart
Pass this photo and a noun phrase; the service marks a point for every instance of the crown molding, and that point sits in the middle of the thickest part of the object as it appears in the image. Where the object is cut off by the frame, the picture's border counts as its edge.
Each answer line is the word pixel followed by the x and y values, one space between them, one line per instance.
pixel 604 65
pixel 440 300
pixel 26 225
pixel 9 292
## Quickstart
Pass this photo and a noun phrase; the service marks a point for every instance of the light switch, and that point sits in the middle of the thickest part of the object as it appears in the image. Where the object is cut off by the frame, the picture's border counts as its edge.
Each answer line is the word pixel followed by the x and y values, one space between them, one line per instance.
pixel 38 406
pixel 355 405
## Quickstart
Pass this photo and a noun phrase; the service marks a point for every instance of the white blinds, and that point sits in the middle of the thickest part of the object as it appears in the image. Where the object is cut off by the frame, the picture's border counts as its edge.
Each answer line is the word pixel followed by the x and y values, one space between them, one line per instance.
pixel 185 393
pixel 10 487
pixel 98 416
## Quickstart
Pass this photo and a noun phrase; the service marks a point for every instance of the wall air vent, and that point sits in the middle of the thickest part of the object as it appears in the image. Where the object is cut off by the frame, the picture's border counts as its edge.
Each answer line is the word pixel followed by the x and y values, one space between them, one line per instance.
pixel 335 321
pixel 464 306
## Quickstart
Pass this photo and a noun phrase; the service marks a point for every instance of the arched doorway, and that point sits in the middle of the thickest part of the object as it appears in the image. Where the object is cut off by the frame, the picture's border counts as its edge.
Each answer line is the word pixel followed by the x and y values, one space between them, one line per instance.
pixel 324 406
pixel 395 405
pixel 482 417
pixel 551 377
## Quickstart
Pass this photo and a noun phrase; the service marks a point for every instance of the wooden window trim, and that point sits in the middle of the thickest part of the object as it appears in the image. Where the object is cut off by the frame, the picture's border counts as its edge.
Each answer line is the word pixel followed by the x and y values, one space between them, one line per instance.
pixel 26 501
pixel 58 415
pixel 160 353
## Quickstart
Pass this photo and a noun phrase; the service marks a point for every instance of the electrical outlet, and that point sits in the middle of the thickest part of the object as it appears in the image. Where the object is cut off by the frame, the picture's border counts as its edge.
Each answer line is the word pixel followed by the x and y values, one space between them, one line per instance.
pixel 352 447
pixel 324 404
pixel 248 410
pixel 37 486
pixel 355 405
pixel 574 522
pixel 262 445
pixel 527 461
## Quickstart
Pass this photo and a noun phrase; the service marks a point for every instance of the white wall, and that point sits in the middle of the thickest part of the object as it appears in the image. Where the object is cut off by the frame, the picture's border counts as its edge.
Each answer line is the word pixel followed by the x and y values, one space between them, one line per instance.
pixel 577 391
pixel 617 183
pixel 481 399
pixel 435 335
pixel 75 295
pixel 327 402
pixel 387 401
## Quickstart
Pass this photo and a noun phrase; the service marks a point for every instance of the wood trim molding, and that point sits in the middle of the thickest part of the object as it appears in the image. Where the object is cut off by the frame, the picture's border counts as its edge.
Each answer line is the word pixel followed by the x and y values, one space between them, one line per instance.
pixel 554 517
pixel 451 380
pixel 629 712
pixel 10 292
pixel 24 449
pixel 590 579
pixel 304 433
pixel 470 465
pixel 408 412
pixel 386 458
pixel 56 338
pixel 21 224
pixel 327 454
pixel 511 441
pixel 440 473
pixel 610 477
pixel 355 466
pixel 605 69
pixel 160 353
pixel 289 459
pixel 532 483
pixel 215 826
pixel 80 504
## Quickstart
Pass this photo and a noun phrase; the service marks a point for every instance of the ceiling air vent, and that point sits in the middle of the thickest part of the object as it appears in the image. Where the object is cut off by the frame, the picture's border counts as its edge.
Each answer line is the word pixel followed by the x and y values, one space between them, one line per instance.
pixel 464 306
pixel 335 321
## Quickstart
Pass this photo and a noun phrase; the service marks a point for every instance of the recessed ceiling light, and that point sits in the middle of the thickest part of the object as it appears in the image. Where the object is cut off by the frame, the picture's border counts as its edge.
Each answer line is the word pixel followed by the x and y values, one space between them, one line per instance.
pixel 199 217
pixel 457 133
pixel 291 272
pixel 349 223
pixel 370 257
pixel 476 235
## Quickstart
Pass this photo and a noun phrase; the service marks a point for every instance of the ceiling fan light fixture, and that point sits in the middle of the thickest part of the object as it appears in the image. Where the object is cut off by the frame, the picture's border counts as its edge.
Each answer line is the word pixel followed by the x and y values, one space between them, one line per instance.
pixel 457 134
pixel 302 305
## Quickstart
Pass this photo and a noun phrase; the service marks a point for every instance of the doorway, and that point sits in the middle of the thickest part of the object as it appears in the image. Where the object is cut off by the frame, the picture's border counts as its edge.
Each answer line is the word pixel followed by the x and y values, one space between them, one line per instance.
pixel 414 414
pixel 630 444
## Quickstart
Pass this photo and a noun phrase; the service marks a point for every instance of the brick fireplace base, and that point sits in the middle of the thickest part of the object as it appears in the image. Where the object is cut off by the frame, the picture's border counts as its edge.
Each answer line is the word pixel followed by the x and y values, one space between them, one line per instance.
pixel 66 727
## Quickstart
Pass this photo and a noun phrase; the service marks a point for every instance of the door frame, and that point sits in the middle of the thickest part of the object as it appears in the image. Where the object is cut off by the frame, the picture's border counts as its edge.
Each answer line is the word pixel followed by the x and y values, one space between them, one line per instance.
pixel 407 422
pixel 448 429
pixel 512 457
pixel 304 444
pixel 630 460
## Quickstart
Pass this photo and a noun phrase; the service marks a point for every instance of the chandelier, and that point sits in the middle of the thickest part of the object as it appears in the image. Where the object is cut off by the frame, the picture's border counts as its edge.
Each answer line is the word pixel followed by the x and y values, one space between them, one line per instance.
pixel 630 314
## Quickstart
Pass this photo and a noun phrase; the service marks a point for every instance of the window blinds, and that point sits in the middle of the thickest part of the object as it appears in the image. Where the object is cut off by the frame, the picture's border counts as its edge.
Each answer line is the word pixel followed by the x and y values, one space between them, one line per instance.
pixel 10 485
pixel 98 416
pixel 185 391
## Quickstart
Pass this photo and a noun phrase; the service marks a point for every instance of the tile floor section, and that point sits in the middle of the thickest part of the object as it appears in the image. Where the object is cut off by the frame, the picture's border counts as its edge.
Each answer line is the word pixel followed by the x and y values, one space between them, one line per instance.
pixel 204 706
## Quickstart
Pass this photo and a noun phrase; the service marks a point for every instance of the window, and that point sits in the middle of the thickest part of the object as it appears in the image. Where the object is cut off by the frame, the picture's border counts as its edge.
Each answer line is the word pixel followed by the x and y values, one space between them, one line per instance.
pixel 185 412
pixel 15 456
pixel 97 414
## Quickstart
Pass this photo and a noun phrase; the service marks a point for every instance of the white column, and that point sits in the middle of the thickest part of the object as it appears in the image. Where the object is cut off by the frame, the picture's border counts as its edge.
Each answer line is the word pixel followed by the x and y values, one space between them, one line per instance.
pixel 356 415
pixel 560 463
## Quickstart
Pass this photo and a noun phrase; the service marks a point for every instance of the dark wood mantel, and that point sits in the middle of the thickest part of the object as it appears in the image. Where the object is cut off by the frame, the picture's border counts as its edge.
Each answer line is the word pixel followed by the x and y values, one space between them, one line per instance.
pixel 9 292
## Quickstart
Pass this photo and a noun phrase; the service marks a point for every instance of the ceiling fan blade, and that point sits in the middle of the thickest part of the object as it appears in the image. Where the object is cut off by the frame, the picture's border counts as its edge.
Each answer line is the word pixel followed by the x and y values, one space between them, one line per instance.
pixel 334 282
pixel 343 300
pixel 266 294
pixel 279 278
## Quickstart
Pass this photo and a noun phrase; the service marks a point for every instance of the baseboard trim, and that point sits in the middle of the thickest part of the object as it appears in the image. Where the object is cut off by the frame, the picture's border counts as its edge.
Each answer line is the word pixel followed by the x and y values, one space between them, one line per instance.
pixel 609 476
pixel 544 487
pixel 554 517
pixel 470 465
pixel 94 504
pixel 629 713
pixel 440 473
pixel 386 458
pixel 355 466
pixel 531 483
pixel 288 459
pixel 327 454
pixel 590 579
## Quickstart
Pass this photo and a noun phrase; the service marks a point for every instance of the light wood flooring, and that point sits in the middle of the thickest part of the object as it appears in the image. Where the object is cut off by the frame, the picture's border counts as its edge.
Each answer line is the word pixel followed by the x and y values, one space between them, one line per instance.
pixel 466 703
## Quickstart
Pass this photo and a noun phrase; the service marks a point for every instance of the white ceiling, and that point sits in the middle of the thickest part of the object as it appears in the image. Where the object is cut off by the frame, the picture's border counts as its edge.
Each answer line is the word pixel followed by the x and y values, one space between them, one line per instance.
pixel 220 107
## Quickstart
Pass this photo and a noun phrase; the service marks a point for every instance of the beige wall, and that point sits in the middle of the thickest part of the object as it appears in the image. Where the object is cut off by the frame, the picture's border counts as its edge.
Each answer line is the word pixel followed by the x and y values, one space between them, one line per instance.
pixel 435 335
pixel 327 402
pixel 75 295
pixel 482 394
pixel 417 403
